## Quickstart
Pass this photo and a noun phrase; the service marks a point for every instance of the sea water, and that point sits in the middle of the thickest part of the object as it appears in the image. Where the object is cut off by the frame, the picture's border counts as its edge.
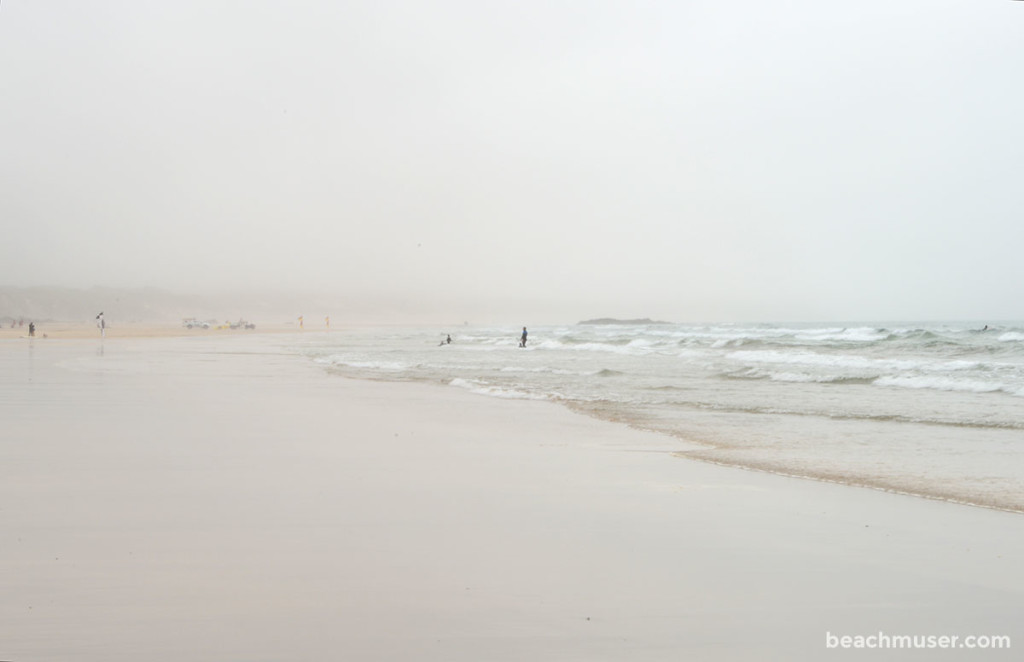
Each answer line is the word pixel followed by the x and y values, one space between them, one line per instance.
pixel 929 409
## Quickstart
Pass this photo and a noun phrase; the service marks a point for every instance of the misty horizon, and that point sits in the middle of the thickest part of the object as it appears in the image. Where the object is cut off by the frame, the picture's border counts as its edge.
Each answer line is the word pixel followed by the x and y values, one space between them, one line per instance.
pixel 535 163
pixel 156 305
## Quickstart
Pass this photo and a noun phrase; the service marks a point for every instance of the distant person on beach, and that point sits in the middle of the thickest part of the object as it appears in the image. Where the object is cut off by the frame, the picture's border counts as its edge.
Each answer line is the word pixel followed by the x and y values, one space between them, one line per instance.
pixel 102 324
pixel 31 329
pixel 522 341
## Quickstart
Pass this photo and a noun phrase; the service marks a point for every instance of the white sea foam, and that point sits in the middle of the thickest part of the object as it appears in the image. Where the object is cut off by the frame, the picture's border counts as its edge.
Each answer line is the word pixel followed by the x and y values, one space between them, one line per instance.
pixel 541 370
pixel 851 362
pixel 953 366
pixel 794 377
pixel 386 366
pixel 941 384
pixel 481 388
pixel 814 359
pixel 604 347
pixel 854 335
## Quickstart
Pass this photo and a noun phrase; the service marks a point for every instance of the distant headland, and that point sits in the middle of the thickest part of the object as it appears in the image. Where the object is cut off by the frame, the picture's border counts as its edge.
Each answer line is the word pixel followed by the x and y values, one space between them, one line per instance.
pixel 612 320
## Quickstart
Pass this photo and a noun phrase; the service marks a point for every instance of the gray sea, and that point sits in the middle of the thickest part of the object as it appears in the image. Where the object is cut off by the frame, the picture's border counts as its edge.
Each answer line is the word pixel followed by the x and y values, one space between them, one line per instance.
pixel 932 409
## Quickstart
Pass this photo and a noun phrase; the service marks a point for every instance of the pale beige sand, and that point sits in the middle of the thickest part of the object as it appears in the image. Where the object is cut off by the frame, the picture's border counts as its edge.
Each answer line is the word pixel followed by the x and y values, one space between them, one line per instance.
pixel 89 330
pixel 191 500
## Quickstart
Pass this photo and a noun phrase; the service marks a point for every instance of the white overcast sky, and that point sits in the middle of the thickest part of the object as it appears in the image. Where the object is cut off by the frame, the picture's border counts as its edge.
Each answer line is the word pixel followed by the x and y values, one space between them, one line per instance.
pixel 689 160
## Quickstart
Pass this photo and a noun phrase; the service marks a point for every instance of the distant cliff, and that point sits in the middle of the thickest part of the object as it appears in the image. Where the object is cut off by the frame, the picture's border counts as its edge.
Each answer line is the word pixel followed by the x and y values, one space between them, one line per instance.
pixel 612 320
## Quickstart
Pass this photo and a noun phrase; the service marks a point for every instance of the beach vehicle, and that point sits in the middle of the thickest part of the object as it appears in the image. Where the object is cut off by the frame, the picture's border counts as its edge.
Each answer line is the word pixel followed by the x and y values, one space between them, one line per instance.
pixel 242 324
pixel 193 323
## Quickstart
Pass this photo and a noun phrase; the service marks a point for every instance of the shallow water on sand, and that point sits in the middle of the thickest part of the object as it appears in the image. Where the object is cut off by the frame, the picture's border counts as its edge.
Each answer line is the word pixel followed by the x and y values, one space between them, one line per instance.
pixel 929 409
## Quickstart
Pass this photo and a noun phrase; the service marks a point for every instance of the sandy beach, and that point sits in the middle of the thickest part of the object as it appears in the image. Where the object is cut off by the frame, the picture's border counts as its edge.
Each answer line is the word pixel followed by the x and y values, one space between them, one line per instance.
pixel 219 498
pixel 88 330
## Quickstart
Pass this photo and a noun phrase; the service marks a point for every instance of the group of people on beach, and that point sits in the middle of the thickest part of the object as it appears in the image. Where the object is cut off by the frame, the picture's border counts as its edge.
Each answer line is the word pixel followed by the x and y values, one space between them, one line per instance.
pixel 21 322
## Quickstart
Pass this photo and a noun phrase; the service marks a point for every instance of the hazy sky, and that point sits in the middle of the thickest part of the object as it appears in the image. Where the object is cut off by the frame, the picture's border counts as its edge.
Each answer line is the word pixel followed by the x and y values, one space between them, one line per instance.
pixel 690 160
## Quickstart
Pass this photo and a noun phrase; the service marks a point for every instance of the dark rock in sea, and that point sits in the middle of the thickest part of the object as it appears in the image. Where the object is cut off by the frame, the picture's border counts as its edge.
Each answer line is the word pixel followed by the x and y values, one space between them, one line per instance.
pixel 612 320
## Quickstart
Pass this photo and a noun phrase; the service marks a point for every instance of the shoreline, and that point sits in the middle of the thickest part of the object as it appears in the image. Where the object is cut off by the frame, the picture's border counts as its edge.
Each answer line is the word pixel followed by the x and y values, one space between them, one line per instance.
pixel 706 452
pixel 894 409
pixel 187 497
pixel 88 331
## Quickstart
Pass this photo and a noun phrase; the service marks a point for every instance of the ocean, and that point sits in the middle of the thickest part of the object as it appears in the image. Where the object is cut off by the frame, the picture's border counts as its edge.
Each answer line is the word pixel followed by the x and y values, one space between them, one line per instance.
pixel 934 409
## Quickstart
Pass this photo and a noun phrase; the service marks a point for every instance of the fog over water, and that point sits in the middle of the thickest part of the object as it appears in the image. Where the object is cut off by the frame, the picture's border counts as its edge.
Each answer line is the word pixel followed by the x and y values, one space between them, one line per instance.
pixel 492 161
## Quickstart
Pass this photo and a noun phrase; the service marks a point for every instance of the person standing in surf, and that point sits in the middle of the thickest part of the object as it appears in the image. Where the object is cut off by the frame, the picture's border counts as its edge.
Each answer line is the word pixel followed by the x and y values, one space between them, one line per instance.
pixel 522 340
pixel 102 324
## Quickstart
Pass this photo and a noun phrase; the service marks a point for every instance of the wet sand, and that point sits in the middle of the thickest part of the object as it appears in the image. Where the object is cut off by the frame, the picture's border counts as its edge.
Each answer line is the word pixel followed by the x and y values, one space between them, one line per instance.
pixel 216 498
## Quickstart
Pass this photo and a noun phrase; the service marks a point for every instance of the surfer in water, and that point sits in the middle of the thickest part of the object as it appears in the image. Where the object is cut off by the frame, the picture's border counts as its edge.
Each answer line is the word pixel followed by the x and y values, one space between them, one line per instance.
pixel 522 340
